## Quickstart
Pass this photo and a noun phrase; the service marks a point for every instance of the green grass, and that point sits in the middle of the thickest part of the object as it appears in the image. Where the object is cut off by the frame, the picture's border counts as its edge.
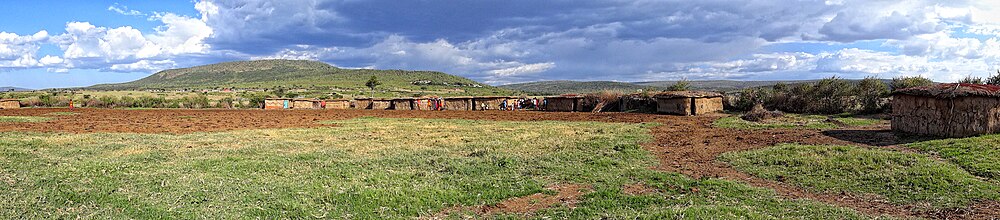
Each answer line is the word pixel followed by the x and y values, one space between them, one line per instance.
pixel 366 168
pixel 61 113
pixel 790 121
pixel 903 178
pixel 978 155
pixel 23 119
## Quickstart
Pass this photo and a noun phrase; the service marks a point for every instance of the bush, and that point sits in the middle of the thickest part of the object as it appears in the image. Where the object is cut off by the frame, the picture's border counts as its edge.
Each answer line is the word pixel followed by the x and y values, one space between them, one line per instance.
pixel 972 80
pixel 682 85
pixel 994 79
pixel 908 82
pixel 870 92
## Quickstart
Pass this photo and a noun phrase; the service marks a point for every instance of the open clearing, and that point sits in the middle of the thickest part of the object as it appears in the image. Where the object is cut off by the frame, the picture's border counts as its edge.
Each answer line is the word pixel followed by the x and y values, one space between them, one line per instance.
pixel 404 164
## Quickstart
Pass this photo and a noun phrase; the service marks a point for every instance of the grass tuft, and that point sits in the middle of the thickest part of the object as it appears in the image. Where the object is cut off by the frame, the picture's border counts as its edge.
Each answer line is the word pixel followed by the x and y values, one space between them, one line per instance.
pixel 978 155
pixel 791 121
pixel 23 119
pixel 903 178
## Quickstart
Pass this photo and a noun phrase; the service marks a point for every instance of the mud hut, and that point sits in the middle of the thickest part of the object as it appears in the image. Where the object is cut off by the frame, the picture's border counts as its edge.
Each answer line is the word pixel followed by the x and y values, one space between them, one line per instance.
pixel 423 104
pixel 307 104
pixel 10 104
pixel 563 103
pixel 688 102
pixel 458 103
pixel 947 110
pixel 381 104
pixel 489 102
pixel 338 104
pixel 278 103
pixel 363 103
pixel 403 104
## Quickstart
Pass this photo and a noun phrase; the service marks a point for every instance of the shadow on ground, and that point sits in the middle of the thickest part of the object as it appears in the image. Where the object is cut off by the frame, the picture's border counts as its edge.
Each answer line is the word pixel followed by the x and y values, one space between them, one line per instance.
pixel 876 137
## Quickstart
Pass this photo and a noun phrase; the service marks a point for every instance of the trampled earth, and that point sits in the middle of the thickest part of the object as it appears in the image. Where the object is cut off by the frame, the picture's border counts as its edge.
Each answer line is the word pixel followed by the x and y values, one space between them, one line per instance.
pixel 687 145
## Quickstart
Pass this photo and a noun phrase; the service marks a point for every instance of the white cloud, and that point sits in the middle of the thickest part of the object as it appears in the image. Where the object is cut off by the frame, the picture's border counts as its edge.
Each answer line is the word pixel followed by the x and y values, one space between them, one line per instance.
pixel 524 69
pixel 144 66
pixel 124 10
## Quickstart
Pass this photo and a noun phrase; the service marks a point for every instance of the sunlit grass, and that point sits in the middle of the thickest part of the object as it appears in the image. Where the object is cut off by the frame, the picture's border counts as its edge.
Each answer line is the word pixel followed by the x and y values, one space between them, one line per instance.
pixel 790 121
pixel 23 119
pixel 366 168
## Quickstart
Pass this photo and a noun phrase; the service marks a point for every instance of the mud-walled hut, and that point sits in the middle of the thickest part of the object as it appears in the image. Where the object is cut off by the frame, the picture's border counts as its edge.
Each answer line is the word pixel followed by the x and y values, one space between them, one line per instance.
pixel 403 104
pixel 10 104
pixel 278 103
pixel 458 103
pixel 307 104
pixel 563 103
pixel 363 103
pixel 423 104
pixel 484 103
pixel 382 104
pixel 688 102
pixel 947 110
pixel 338 104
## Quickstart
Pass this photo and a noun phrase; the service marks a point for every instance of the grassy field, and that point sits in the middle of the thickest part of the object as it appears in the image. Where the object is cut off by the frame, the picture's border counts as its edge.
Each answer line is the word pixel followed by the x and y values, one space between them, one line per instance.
pixel 23 119
pixel 790 121
pixel 366 168
pixel 904 178
pixel 978 155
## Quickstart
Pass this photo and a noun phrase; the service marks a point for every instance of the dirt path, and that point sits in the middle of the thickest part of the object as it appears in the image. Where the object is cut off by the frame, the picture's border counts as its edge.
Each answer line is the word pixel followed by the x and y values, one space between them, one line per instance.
pixel 688 145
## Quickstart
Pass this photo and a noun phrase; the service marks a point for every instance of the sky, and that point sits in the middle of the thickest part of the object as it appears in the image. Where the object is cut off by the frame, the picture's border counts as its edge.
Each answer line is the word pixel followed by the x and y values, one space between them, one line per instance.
pixel 63 43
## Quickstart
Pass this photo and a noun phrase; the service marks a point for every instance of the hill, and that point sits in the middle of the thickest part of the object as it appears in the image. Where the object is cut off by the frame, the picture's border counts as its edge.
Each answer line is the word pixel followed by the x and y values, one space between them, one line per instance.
pixel 300 74
pixel 563 87
pixel 12 89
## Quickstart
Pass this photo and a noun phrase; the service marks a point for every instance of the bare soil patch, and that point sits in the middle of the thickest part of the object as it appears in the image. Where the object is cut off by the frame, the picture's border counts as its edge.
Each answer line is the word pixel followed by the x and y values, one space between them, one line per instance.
pixel 566 194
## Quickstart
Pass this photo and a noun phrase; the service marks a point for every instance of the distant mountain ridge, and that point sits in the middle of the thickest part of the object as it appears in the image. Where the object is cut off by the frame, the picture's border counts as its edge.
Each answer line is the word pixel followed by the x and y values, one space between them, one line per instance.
pixel 299 74
pixel 13 89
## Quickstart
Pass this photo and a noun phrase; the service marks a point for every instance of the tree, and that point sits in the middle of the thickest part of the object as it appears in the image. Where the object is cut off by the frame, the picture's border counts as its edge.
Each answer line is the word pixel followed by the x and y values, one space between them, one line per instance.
pixel 682 85
pixel 870 91
pixel 994 79
pixel 372 83
pixel 972 80
pixel 907 82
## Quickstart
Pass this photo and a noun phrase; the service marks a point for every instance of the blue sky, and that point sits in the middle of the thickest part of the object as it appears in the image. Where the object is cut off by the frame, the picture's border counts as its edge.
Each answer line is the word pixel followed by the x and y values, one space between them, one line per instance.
pixel 79 43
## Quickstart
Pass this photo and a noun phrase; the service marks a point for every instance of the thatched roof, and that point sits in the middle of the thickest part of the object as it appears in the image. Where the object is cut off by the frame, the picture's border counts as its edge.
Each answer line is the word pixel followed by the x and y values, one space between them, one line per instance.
pixel 951 91
pixel 459 97
pixel 687 94
pixel 8 100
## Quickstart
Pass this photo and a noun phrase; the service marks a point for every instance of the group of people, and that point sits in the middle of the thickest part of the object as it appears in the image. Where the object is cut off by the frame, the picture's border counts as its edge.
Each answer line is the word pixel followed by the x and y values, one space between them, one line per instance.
pixel 519 104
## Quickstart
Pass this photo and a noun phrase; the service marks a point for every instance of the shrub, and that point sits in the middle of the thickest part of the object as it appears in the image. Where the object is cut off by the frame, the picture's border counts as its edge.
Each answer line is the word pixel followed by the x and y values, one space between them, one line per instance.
pixel 994 79
pixel 682 85
pixel 972 80
pixel 870 92
pixel 908 82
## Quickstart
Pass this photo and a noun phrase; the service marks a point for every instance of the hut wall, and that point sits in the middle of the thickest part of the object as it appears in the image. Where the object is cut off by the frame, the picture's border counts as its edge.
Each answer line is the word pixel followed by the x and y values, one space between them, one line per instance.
pixel 303 105
pixel 274 104
pixel 707 105
pixel 363 104
pixel 560 104
pixel 338 104
pixel 490 104
pixel 460 104
pixel 381 104
pixel 960 117
pixel 422 104
pixel 10 104
pixel 402 104
pixel 674 106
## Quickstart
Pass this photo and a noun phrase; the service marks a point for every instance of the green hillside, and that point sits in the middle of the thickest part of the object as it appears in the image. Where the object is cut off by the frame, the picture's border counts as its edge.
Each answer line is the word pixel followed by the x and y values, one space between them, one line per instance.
pixel 299 74
pixel 564 87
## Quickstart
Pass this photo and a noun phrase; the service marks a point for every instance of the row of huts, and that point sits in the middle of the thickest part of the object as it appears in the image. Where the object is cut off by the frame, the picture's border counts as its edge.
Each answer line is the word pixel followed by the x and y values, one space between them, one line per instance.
pixel 677 103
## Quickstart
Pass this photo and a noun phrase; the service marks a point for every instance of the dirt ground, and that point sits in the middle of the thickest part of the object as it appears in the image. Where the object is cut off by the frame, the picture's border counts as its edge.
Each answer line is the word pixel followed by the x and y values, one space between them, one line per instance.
pixel 688 145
